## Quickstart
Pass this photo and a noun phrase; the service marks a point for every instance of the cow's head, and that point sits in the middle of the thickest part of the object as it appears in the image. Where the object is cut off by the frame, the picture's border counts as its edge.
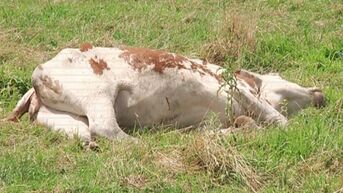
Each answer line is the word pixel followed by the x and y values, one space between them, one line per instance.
pixel 286 97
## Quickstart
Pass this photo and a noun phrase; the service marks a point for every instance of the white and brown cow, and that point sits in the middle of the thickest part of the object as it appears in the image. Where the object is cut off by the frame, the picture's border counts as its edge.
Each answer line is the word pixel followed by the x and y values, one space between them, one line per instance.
pixel 99 91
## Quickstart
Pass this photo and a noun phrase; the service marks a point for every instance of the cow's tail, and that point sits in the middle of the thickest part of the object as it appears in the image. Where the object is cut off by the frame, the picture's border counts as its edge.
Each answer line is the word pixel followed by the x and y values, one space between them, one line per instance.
pixel 28 103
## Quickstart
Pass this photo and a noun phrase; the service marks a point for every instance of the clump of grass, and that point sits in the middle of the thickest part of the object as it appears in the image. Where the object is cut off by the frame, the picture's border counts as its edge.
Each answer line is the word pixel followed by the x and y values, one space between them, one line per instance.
pixel 171 161
pixel 235 35
pixel 328 162
pixel 138 181
pixel 14 52
pixel 12 87
pixel 221 160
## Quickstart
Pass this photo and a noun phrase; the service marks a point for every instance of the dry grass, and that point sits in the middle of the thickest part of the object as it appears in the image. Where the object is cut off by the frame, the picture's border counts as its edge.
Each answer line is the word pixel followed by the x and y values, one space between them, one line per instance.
pixel 328 162
pixel 222 161
pixel 209 153
pixel 235 35
pixel 11 51
pixel 325 163
pixel 171 161
pixel 137 181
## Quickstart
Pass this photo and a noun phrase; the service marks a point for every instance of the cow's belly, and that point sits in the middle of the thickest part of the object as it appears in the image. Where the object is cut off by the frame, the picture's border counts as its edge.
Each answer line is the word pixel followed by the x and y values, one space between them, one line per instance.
pixel 169 100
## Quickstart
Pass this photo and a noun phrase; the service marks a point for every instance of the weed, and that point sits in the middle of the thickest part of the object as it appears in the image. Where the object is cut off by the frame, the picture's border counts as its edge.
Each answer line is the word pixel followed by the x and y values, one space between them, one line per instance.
pixel 235 35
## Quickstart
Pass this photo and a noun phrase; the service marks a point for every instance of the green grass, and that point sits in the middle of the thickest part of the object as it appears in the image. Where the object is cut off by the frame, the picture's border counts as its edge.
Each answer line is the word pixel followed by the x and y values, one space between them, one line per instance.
pixel 302 40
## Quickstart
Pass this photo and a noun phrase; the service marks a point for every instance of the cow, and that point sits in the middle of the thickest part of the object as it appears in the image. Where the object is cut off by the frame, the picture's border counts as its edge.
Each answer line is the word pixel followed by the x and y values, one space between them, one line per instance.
pixel 100 91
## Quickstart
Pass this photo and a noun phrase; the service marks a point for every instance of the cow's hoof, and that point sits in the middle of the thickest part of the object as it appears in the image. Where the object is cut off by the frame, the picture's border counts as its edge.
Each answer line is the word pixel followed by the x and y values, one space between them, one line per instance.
pixel 91 145
pixel 245 122
pixel 9 119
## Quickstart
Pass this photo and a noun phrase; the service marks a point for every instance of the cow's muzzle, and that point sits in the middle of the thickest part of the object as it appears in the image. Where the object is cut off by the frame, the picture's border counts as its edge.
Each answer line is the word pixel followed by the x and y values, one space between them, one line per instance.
pixel 318 97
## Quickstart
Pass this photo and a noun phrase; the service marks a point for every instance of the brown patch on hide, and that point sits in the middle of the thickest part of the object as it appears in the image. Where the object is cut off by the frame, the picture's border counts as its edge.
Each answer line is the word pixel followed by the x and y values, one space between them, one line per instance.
pixel 140 58
pixel 85 47
pixel 98 67
pixel 52 85
pixel 202 69
pixel 249 79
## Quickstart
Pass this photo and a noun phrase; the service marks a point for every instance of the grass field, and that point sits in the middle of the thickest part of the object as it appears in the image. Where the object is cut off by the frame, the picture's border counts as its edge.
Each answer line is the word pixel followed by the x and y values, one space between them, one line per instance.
pixel 301 39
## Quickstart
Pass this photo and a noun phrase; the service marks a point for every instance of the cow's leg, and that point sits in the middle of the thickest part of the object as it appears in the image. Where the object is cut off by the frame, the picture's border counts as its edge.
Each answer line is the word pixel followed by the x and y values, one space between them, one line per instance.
pixel 70 124
pixel 34 107
pixel 262 110
pixel 22 106
pixel 102 120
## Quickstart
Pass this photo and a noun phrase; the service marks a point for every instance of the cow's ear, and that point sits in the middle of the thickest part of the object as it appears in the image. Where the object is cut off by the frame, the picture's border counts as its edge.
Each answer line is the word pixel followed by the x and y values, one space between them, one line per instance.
pixel 252 79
